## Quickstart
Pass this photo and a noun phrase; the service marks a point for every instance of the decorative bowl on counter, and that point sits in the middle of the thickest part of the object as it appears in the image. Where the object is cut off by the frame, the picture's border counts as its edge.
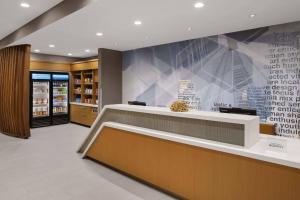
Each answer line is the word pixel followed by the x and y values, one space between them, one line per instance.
pixel 179 106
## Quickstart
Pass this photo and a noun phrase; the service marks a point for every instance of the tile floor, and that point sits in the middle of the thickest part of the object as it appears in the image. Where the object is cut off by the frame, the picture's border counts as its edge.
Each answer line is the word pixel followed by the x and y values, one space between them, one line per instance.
pixel 47 167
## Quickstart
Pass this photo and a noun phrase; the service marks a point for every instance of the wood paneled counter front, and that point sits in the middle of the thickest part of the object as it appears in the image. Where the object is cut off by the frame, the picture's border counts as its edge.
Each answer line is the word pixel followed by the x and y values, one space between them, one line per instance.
pixel 82 113
pixel 190 167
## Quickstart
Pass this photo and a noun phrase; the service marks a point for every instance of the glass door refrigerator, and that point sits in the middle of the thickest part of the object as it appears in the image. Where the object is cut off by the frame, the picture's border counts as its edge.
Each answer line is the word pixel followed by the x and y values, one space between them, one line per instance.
pixel 40 100
pixel 60 100
pixel 49 99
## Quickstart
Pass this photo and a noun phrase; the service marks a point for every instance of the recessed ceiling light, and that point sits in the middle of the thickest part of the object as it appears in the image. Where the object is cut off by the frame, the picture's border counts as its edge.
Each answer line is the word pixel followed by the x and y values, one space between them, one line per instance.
pixel 99 34
pixel 69 54
pixel 37 51
pixel 137 22
pixel 189 29
pixel 199 5
pixel 252 15
pixel 87 50
pixel 25 5
pixel 51 45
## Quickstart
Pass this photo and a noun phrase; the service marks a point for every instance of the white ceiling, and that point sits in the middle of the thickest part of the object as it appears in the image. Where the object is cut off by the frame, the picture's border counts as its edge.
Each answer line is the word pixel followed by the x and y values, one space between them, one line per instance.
pixel 164 21
pixel 13 16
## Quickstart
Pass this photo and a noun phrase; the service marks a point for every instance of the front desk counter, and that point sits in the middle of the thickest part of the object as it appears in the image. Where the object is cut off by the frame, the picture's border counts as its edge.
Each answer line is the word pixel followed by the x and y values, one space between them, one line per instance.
pixel 196 155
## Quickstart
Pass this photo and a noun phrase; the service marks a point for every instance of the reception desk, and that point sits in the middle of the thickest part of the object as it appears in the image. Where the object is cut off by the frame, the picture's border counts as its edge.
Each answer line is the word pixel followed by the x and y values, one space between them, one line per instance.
pixel 193 163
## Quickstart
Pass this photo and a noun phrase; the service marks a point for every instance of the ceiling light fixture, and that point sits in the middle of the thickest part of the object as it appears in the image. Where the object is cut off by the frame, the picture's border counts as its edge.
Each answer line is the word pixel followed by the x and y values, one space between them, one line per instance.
pixel 137 22
pixel 199 5
pixel 252 15
pixel 51 45
pixel 37 51
pixel 69 54
pixel 189 29
pixel 99 34
pixel 87 51
pixel 25 5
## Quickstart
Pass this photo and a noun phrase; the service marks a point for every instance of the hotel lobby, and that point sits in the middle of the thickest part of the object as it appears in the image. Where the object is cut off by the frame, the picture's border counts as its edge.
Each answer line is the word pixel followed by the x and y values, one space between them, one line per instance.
pixel 149 100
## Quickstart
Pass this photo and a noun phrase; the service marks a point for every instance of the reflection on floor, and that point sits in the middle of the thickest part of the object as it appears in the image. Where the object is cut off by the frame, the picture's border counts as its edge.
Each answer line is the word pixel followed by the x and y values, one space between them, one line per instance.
pixel 47 167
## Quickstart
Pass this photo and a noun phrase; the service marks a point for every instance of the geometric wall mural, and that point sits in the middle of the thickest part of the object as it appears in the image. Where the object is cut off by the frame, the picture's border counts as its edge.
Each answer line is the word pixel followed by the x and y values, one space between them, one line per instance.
pixel 258 69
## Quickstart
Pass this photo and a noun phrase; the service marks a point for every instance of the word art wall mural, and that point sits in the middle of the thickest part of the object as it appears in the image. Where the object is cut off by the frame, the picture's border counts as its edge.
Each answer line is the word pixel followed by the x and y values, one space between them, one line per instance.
pixel 258 69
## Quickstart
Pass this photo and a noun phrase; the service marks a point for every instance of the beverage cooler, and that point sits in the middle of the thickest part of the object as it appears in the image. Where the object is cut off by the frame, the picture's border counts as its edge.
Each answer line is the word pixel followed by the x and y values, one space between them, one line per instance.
pixel 49 99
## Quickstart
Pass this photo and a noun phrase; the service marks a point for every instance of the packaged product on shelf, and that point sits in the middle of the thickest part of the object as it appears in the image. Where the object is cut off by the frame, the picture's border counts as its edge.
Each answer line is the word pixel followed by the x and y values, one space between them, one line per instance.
pixel 44 111
pixel 40 112
pixel 34 112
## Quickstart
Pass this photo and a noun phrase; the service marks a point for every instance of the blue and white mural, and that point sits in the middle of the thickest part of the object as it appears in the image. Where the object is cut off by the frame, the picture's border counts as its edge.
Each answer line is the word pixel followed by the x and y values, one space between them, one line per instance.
pixel 258 69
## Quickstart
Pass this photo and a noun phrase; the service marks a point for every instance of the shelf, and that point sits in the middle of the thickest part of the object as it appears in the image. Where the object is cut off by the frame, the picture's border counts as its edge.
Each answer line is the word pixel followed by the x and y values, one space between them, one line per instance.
pixel 40 116
pixel 60 102
pixel 40 85
pixel 60 113
pixel 84 82
pixel 40 93
pixel 41 105
pixel 64 102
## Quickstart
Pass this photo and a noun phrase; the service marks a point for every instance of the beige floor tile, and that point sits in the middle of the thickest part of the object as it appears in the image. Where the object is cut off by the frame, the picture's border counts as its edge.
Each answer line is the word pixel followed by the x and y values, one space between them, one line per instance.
pixel 47 167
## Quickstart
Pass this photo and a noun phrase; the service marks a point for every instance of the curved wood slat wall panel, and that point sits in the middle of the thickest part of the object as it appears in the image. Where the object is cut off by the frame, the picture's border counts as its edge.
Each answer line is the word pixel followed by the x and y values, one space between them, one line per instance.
pixel 14 91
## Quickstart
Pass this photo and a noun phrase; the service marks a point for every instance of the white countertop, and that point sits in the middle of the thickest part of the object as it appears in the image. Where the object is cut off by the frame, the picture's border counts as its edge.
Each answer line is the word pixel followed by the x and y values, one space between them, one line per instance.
pixel 205 115
pixel 84 104
pixel 259 151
